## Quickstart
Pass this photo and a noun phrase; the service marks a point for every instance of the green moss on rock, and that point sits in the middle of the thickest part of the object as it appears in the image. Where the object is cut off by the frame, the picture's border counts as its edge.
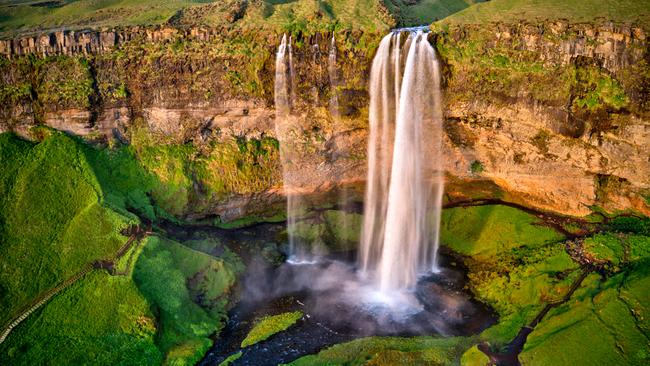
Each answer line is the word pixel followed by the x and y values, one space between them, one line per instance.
pixel 344 227
pixel 391 351
pixel 484 231
pixel 598 326
pixel 270 325
pixel 474 357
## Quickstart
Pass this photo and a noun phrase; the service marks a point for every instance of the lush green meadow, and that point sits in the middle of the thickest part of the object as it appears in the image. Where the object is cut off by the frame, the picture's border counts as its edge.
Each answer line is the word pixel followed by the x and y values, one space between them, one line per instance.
pixel 64 205
pixel 52 218
pixel 509 11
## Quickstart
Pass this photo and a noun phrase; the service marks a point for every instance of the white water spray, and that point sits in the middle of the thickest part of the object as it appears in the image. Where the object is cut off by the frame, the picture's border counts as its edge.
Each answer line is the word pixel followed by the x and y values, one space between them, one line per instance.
pixel 405 178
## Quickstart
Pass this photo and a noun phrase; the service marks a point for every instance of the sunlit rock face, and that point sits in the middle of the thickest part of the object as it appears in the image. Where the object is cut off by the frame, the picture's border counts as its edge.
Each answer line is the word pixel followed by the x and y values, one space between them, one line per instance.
pixel 552 113
pixel 555 114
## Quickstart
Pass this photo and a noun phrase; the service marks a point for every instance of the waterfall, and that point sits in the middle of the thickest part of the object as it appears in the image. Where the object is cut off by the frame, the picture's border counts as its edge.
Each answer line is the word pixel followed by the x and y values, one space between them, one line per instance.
pixel 285 126
pixel 283 88
pixel 405 179
pixel 334 80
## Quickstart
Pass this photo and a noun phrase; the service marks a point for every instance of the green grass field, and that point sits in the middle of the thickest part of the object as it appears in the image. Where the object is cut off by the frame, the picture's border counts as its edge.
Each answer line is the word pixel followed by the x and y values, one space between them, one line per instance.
pixel 29 16
pixel 516 265
pixel 509 11
pixel 100 319
pixel 411 13
pixel 485 231
pixel 24 16
pixel 606 322
pixel 149 316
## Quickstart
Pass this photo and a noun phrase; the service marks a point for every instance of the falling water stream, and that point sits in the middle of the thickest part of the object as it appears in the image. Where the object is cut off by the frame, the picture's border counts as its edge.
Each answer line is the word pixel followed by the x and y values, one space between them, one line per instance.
pixel 399 239
pixel 405 178
pixel 332 71
pixel 285 128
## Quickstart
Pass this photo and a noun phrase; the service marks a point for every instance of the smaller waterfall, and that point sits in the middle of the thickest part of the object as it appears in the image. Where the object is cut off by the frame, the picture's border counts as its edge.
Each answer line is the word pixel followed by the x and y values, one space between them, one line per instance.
pixel 405 174
pixel 283 75
pixel 334 80
pixel 285 126
pixel 292 73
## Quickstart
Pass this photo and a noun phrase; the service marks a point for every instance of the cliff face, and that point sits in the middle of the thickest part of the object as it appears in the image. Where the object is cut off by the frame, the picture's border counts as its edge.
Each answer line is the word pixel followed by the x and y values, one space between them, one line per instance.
pixel 555 114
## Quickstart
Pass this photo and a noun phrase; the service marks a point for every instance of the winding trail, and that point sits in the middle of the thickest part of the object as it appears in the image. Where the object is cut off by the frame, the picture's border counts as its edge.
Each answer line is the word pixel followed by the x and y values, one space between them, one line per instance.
pixel 136 234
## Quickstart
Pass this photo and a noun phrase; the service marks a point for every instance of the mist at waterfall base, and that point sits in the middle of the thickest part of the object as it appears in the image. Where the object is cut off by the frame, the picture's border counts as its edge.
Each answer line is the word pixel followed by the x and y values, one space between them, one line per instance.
pixel 395 286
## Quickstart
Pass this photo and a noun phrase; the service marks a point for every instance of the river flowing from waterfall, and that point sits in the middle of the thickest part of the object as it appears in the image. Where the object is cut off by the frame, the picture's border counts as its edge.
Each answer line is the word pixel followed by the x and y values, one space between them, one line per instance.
pixel 405 172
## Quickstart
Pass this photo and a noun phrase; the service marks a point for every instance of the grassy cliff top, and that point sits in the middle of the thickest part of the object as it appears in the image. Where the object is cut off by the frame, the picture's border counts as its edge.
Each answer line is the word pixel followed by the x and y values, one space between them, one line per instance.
pixel 18 17
pixel 577 11
pixel 22 17
pixel 30 16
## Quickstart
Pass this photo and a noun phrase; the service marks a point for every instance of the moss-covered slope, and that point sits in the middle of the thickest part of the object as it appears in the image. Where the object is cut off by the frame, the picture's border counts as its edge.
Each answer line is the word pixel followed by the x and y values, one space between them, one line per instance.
pixel 63 206
pixel 52 217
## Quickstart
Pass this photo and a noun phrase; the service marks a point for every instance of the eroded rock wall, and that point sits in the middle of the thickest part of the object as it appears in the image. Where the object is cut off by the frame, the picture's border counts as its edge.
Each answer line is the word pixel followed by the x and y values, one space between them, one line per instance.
pixel 555 114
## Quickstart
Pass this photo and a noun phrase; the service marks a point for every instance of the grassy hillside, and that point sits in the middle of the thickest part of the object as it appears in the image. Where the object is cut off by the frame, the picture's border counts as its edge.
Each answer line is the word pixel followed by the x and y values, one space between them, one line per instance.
pixel 410 13
pixel 30 16
pixel 63 204
pixel 34 15
pixel 101 319
pixel 52 221
pixel 509 11
pixel 189 291
pixel 148 317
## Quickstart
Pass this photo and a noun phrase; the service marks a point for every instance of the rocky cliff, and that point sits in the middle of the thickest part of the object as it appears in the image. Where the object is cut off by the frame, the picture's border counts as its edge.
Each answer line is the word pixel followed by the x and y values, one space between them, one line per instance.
pixel 555 114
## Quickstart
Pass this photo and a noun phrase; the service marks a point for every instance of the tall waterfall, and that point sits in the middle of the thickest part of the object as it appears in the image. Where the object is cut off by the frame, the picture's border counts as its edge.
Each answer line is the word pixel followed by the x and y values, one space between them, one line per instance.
pixel 285 123
pixel 405 180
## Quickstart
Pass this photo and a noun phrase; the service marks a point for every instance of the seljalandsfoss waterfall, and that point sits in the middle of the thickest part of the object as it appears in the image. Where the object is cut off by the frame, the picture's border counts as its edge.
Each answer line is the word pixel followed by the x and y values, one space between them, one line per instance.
pixel 405 177
pixel 399 235
pixel 399 239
